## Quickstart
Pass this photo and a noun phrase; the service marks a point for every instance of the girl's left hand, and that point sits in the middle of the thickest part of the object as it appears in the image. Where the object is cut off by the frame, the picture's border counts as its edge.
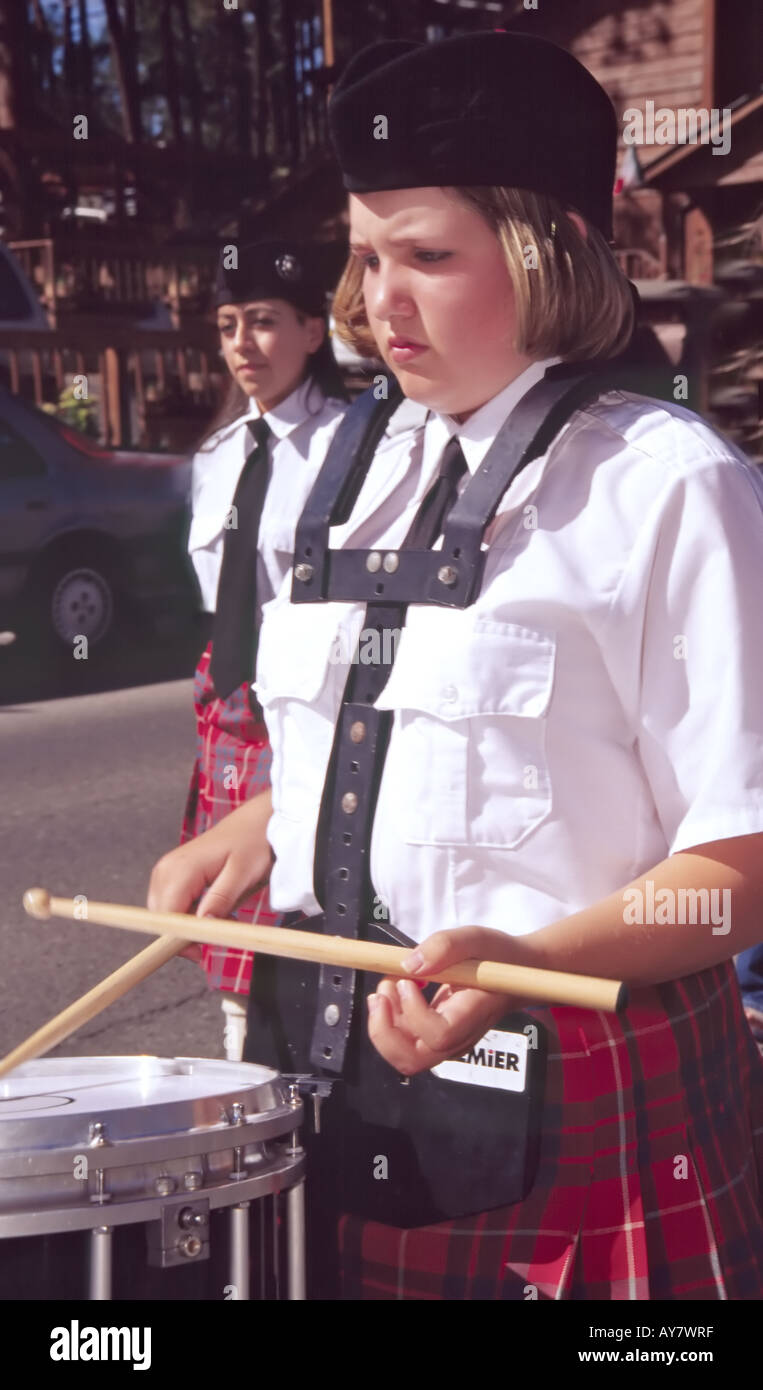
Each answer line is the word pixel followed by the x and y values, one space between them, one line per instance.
pixel 412 1035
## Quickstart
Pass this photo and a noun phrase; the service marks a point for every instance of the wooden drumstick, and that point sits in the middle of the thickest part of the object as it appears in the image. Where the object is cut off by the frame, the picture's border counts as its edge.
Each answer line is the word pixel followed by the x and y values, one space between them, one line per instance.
pixel 547 986
pixel 92 1003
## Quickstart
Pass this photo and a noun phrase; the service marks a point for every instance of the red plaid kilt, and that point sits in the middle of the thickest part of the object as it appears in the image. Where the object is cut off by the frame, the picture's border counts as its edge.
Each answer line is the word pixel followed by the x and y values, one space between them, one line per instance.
pixel 228 738
pixel 650 1175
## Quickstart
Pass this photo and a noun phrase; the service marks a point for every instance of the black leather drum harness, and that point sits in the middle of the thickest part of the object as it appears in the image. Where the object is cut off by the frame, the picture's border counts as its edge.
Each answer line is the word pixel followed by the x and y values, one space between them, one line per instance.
pixel 403 1151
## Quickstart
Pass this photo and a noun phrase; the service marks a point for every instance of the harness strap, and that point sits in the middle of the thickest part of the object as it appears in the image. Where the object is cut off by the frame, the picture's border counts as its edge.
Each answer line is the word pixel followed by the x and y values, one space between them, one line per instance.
pixel 342 881
pixel 451 577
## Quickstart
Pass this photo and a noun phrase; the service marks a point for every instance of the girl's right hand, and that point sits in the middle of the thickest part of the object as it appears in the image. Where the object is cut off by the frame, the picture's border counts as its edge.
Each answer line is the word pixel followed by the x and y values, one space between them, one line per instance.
pixel 217 869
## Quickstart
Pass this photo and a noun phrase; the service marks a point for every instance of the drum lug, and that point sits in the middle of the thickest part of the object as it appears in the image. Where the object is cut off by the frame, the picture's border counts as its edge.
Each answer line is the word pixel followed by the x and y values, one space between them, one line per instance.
pixel 181 1234
pixel 317 1088
pixel 236 1118
pixel 98 1139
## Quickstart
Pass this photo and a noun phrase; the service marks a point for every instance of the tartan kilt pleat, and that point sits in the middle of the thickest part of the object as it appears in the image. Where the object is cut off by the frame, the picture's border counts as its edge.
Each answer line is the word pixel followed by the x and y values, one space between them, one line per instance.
pixel 232 765
pixel 650 1174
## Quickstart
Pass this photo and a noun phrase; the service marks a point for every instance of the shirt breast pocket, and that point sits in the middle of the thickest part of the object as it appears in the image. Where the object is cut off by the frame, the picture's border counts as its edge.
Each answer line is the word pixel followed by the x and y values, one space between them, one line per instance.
pixel 296 652
pixel 468 747
pixel 299 685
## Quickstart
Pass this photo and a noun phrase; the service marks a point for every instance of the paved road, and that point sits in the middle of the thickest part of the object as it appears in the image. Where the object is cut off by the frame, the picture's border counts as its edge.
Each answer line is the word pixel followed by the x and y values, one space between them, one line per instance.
pixel 92 788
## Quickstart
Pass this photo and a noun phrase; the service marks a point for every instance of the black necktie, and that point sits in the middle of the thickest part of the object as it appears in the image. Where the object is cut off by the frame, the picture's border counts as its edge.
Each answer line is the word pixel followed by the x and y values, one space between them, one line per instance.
pixel 234 641
pixel 428 521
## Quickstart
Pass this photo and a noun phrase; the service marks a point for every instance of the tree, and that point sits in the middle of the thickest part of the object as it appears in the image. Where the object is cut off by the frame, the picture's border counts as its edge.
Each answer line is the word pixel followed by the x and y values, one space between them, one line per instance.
pixel 265 56
pixel 235 76
pixel 71 66
pixel 174 104
pixel 292 108
pixel 123 34
pixel 43 45
pixel 191 72
pixel 85 55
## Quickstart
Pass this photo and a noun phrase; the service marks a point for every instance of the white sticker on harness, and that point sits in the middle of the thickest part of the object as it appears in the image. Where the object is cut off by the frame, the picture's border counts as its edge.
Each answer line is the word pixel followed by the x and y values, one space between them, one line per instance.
pixel 498 1059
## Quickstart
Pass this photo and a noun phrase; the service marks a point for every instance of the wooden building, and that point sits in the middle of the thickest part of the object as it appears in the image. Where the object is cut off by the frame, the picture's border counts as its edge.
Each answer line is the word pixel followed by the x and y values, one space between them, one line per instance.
pixel 688 216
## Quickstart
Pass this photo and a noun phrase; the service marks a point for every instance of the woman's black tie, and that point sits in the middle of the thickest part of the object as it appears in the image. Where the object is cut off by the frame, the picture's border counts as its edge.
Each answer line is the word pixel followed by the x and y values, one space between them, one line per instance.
pixel 234 641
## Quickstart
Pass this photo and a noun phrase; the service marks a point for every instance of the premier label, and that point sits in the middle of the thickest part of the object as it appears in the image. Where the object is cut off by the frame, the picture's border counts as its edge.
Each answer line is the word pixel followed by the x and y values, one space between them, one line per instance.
pixel 498 1060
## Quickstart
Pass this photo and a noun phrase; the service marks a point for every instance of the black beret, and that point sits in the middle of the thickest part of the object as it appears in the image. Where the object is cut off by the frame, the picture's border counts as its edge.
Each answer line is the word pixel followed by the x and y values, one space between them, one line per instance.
pixel 272 270
pixel 484 108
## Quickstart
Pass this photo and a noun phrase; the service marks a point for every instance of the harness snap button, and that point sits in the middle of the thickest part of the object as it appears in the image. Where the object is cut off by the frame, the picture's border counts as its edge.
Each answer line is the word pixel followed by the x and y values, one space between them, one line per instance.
pixel 391 562
pixel 331 1015
pixel 349 803
pixel 303 573
pixel 357 731
pixel 373 562
pixel 447 575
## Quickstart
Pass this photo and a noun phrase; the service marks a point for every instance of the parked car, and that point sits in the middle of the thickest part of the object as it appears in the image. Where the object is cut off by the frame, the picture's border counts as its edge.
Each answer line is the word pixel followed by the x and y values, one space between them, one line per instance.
pixel 19 305
pixel 88 535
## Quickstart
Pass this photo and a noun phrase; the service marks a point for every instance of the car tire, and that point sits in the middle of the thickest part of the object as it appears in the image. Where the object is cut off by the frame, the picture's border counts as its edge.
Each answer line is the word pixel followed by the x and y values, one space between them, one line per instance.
pixel 74 595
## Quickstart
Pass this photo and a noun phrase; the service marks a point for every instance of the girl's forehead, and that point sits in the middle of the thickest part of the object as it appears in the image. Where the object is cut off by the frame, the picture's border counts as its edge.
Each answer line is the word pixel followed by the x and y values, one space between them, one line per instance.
pixel 396 208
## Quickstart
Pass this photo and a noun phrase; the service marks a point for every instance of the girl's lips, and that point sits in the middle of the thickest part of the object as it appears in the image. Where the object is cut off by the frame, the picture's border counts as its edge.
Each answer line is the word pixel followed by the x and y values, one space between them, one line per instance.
pixel 403 351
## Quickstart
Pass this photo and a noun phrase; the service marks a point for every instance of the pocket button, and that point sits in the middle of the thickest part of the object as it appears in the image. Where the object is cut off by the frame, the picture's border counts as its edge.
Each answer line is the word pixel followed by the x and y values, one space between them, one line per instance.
pixel 449 693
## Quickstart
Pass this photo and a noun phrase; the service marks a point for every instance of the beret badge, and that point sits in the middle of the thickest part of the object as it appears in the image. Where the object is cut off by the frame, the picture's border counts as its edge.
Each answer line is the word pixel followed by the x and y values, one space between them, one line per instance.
pixel 288 267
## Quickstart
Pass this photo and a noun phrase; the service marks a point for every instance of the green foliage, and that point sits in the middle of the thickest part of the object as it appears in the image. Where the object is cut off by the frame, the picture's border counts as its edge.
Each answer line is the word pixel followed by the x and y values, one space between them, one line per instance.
pixel 79 414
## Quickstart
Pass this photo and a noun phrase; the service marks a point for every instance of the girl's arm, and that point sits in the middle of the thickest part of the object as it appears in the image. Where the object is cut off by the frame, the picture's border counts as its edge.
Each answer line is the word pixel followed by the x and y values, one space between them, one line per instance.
pixel 713 892
pixel 629 935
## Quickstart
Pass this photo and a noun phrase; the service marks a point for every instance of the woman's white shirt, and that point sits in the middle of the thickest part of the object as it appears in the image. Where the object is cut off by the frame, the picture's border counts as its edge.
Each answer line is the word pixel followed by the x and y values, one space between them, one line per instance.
pixel 597 708
pixel 302 428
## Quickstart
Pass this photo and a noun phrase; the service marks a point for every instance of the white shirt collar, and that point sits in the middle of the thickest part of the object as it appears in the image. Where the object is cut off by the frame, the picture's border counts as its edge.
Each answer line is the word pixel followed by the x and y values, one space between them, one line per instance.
pixel 292 411
pixel 478 432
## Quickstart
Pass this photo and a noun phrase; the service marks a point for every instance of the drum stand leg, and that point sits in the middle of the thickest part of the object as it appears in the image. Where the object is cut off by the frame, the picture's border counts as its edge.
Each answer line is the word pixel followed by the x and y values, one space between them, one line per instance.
pixel 239 1249
pixel 295 1206
pixel 100 1264
pixel 295 1213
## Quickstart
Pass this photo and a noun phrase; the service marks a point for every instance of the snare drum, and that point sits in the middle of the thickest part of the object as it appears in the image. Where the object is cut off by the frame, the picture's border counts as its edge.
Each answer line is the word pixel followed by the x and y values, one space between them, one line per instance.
pixel 150 1177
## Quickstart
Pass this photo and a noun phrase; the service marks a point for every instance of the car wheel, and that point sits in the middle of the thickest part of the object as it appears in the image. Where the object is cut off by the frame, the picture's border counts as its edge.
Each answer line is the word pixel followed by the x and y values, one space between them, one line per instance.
pixel 81 604
pixel 71 594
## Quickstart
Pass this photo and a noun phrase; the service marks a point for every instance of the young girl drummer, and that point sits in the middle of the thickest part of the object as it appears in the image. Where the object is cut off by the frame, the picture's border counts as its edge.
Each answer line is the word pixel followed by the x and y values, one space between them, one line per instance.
pixel 271 317
pixel 574 756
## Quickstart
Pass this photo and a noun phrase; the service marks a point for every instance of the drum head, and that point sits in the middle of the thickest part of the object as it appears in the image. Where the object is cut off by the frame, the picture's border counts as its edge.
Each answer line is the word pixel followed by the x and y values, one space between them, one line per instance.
pixel 53 1101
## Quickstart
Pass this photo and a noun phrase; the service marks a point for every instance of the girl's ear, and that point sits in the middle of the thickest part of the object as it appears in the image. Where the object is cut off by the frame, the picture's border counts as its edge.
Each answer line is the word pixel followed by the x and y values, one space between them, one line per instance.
pixel 579 223
pixel 316 332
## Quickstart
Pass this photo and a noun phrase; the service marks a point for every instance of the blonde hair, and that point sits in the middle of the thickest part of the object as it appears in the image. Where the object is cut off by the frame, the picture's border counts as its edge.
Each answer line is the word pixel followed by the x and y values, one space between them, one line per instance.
pixel 574 303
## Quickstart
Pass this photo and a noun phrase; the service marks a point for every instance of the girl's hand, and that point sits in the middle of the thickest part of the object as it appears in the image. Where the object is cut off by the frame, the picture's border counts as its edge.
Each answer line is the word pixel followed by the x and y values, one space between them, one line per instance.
pixel 412 1035
pixel 220 868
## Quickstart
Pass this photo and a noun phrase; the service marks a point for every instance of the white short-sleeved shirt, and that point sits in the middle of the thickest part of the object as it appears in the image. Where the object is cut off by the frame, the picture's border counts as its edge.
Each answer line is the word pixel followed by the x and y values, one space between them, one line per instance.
pixel 302 427
pixel 597 708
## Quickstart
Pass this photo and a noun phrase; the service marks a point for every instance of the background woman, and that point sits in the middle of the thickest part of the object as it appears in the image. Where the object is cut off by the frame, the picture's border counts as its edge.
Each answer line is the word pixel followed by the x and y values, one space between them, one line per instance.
pixel 271 316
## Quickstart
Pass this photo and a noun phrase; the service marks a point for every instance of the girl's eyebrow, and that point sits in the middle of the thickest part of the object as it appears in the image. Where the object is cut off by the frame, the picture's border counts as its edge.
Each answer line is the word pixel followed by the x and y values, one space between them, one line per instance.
pixel 262 309
pixel 422 239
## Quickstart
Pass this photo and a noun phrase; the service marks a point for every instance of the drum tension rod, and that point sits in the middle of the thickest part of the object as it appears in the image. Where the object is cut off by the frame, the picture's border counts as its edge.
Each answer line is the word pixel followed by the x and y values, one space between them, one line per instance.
pixel 237 1117
pixel 98 1140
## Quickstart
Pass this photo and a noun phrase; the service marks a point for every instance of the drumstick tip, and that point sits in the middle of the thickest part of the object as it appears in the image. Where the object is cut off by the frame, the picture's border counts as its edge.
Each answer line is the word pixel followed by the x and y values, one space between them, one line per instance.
pixel 37 902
